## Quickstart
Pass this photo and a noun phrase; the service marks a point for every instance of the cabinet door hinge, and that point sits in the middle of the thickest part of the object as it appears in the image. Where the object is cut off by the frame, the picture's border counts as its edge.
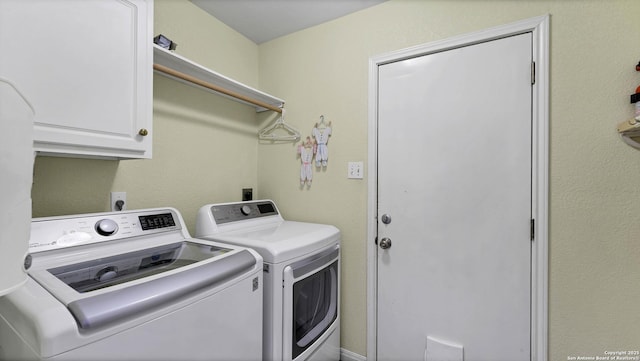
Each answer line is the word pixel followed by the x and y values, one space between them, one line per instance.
pixel 533 229
pixel 533 72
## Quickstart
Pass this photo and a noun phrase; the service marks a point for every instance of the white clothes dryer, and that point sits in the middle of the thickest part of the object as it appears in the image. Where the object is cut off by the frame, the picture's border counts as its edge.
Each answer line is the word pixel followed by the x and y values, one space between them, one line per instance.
pixel 132 285
pixel 301 275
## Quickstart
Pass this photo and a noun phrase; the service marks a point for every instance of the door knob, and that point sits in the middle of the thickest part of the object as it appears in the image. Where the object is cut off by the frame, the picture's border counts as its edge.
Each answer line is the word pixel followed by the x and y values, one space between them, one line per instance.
pixel 385 243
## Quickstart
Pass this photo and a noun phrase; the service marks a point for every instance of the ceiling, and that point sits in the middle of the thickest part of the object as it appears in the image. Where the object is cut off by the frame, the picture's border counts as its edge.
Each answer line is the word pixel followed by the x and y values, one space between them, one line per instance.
pixel 264 20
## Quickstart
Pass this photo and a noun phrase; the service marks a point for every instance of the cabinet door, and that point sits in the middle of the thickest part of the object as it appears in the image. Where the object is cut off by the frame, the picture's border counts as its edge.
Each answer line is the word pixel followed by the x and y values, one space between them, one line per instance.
pixel 86 66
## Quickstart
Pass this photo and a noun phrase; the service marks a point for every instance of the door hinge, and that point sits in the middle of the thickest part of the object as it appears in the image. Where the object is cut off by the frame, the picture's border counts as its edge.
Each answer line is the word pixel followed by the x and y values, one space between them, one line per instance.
pixel 533 229
pixel 533 72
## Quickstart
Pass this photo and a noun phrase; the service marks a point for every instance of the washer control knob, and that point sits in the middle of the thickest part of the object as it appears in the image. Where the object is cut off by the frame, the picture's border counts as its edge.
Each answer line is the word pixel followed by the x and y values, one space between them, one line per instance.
pixel 106 227
pixel 246 210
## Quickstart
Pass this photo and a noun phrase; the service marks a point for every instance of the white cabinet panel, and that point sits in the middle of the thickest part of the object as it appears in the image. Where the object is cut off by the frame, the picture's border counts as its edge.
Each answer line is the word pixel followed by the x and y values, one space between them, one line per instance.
pixel 86 65
pixel 16 164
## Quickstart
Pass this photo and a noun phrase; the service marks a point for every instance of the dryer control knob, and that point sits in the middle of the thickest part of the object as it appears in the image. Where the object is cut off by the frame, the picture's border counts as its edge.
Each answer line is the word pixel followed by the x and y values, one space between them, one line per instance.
pixel 106 227
pixel 246 210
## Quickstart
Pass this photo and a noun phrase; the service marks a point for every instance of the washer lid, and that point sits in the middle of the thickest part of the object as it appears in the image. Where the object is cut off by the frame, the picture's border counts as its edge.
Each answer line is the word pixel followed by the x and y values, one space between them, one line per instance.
pixel 108 289
pixel 281 241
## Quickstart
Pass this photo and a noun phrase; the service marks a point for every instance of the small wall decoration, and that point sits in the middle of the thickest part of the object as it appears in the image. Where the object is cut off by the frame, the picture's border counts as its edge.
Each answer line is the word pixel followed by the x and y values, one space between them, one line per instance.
pixel 306 149
pixel 321 132
pixel 630 129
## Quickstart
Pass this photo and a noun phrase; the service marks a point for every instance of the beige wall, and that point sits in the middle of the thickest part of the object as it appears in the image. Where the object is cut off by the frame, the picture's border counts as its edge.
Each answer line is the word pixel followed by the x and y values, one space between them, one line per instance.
pixel 205 148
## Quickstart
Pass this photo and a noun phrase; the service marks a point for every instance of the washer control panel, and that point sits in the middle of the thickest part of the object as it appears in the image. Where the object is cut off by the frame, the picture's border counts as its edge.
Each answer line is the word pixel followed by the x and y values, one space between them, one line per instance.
pixel 232 212
pixel 60 232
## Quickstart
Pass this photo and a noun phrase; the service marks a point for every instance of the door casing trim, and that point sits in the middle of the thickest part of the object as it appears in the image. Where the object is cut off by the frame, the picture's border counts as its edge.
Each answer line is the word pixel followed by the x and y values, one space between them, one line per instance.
pixel 539 27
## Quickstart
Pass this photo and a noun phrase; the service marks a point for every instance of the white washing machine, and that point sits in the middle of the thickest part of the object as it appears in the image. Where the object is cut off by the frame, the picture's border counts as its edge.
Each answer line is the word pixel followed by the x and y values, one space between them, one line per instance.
pixel 132 285
pixel 301 275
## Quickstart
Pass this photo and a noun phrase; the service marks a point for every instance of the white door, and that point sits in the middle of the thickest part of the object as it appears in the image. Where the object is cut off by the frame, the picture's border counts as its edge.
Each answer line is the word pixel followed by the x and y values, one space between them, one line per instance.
pixel 455 190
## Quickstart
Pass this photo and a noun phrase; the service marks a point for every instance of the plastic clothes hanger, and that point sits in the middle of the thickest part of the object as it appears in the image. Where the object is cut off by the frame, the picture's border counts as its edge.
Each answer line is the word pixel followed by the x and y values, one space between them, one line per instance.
pixel 268 132
pixel 322 124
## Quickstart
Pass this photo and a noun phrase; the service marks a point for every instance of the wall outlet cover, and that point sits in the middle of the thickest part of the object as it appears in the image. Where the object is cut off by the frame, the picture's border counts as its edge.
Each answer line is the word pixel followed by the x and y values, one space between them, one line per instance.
pixel 118 201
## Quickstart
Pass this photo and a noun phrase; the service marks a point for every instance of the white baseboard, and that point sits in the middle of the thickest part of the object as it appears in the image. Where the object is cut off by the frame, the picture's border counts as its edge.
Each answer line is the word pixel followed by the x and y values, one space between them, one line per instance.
pixel 346 355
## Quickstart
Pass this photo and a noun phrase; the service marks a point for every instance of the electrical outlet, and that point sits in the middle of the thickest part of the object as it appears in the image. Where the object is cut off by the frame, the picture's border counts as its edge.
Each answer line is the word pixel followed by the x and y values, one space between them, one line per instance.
pixel 355 170
pixel 247 194
pixel 118 201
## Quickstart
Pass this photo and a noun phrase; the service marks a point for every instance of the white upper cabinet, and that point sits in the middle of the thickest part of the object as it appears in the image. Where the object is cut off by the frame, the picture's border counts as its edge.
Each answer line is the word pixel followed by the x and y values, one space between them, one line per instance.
pixel 86 67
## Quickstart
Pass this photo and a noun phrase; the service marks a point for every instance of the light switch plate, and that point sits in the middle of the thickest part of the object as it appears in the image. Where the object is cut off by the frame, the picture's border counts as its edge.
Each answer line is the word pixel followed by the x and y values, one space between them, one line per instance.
pixel 355 170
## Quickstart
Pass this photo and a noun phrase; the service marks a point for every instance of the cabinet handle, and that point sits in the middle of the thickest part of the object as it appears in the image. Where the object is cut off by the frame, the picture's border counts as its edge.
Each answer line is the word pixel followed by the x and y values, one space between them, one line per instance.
pixel 143 132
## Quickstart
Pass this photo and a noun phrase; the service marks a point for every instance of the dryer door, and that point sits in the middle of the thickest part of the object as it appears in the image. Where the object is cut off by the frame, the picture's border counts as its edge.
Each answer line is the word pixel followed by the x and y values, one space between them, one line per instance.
pixel 310 301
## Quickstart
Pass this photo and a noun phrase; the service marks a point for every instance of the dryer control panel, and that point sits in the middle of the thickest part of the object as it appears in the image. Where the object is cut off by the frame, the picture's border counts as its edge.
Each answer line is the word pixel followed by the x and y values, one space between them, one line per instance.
pixel 231 212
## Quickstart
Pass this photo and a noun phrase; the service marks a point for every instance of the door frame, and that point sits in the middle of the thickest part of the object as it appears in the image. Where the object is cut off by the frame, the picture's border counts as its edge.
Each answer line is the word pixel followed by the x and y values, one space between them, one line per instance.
pixel 539 27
